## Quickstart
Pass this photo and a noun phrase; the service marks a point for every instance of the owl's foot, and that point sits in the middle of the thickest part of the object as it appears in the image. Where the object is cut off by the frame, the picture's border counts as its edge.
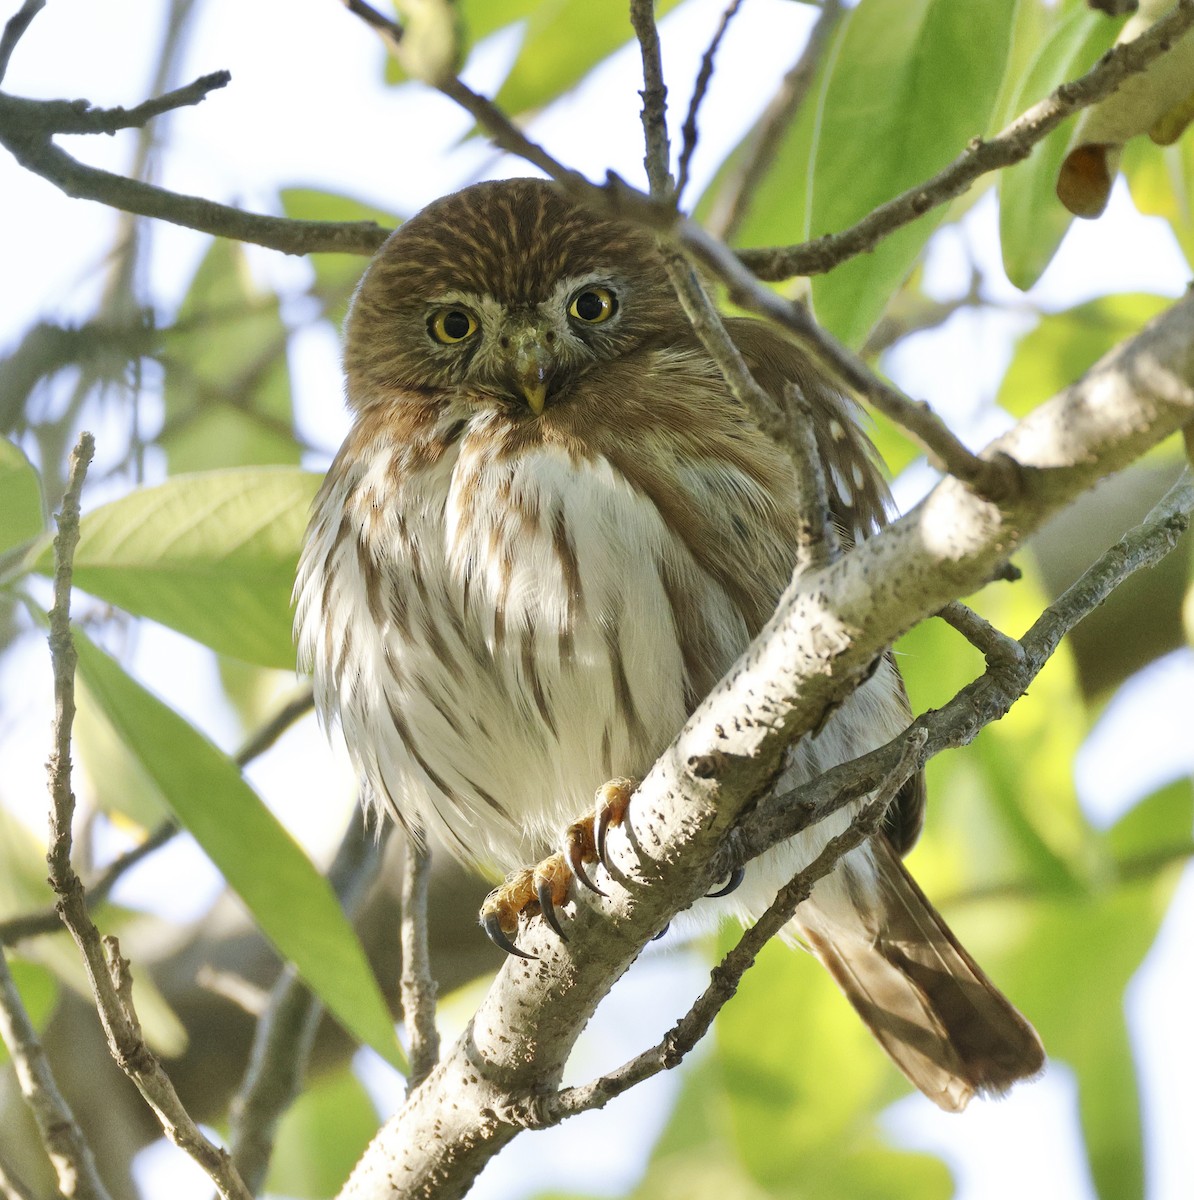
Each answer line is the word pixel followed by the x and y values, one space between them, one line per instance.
pixel 544 887
pixel 612 805
pixel 540 888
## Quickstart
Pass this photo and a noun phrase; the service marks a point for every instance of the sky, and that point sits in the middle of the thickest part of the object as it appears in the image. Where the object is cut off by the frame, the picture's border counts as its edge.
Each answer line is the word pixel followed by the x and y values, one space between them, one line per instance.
pixel 306 106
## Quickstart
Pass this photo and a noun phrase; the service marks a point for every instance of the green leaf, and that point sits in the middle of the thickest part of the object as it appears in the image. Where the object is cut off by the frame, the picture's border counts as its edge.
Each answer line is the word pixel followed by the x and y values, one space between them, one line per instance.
pixel 1032 221
pixel 227 388
pixel 211 555
pixel 1065 344
pixel 564 41
pixel 293 904
pixel 20 498
pixel 1162 182
pixel 321 1137
pixel 911 83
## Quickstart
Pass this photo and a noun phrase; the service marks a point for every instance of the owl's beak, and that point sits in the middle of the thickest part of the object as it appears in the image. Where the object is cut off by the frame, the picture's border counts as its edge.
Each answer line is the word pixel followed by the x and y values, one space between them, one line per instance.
pixel 532 365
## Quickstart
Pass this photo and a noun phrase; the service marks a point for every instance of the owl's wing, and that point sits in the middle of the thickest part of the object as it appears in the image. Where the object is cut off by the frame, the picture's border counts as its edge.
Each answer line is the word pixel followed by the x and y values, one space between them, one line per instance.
pixel 859 501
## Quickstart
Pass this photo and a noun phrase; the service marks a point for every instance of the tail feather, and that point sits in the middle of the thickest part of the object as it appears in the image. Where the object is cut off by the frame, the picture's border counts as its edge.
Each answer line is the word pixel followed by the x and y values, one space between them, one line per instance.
pixel 929 1004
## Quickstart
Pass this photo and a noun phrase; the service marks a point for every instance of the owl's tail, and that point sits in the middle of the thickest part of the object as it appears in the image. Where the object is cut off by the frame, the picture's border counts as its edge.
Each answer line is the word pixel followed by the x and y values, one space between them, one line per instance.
pixel 942 1021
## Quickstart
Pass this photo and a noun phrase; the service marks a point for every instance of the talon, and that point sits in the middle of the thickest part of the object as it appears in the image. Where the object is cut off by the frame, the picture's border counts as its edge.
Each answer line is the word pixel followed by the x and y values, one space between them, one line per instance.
pixel 550 881
pixel 613 802
pixel 547 907
pixel 499 913
pixel 737 875
pixel 492 924
pixel 662 932
pixel 582 848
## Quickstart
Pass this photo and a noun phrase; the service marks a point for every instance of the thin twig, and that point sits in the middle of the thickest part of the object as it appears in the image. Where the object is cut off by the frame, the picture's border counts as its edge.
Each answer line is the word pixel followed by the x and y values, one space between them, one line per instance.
pixel 727 975
pixel 417 983
pixel 107 970
pixel 997 647
pixel 657 159
pixel 758 152
pixel 691 132
pixel 286 1029
pixel 67 1148
pixel 1009 146
pixel 14 30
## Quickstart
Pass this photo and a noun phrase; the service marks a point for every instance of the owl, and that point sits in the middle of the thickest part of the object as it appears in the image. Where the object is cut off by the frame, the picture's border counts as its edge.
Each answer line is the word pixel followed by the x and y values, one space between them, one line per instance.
pixel 549 532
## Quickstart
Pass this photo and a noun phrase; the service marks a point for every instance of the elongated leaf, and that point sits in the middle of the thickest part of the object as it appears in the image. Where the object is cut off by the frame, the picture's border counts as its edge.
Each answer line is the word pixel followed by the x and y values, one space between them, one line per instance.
pixel 20 498
pixel 291 902
pixel 911 82
pixel 1032 221
pixel 211 555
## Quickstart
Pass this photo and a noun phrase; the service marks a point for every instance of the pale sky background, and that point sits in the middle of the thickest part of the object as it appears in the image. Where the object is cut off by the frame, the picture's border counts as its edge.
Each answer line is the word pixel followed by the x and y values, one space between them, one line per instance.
pixel 306 106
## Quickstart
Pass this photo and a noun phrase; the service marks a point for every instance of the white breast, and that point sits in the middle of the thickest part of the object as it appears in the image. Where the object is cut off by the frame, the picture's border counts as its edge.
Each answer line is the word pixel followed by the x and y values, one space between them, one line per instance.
pixel 517 647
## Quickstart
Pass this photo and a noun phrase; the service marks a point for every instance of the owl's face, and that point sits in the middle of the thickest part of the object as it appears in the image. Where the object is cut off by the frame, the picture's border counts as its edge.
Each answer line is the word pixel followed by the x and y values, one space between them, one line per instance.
pixel 503 294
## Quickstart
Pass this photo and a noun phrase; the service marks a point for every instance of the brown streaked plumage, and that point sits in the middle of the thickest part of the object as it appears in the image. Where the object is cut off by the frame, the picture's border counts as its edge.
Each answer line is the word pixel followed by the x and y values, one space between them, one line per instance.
pixel 550 531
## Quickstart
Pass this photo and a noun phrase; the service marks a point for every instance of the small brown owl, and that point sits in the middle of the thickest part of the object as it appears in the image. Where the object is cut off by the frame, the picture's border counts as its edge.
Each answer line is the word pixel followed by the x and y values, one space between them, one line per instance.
pixel 549 533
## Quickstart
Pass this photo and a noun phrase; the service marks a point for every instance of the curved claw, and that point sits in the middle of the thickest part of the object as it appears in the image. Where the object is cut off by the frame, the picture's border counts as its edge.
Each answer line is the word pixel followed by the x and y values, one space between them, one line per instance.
pixel 737 875
pixel 547 906
pixel 577 863
pixel 493 931
pixel 662 932
pixel 580 847
pixel 600 829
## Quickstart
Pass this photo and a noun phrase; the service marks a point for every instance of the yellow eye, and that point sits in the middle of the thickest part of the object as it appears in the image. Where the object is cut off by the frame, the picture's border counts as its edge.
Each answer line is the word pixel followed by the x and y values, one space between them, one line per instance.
pixel 451 325
pixel 593 305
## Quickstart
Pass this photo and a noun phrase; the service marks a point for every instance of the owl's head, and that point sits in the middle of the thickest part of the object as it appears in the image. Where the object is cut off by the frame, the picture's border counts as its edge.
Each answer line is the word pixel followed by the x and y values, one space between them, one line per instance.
pixel 503 293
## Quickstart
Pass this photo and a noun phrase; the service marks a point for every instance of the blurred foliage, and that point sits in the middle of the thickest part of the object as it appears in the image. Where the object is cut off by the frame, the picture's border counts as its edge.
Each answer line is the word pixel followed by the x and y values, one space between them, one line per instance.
pixel 198 523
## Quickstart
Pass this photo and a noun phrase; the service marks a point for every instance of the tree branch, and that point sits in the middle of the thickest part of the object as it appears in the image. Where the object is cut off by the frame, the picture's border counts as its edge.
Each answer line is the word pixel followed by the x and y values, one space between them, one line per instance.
pixel 683 1037
pixel 690 130
pixel 417 984
pixel 69 1153
pixel 107 971
pixel 828 631
pixel 1011 145
pixel 14 30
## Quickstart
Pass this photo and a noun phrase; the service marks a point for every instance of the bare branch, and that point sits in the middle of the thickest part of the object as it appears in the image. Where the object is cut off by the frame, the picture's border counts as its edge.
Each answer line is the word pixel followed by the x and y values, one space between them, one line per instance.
pixel 691 131
pixel 69 1153
pixel 759 150
pixel 1009 146
pixel 997 647
pixel 107 971
pixel 657 159
pixel 14 30
pixel 727 975
pixel 417 984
